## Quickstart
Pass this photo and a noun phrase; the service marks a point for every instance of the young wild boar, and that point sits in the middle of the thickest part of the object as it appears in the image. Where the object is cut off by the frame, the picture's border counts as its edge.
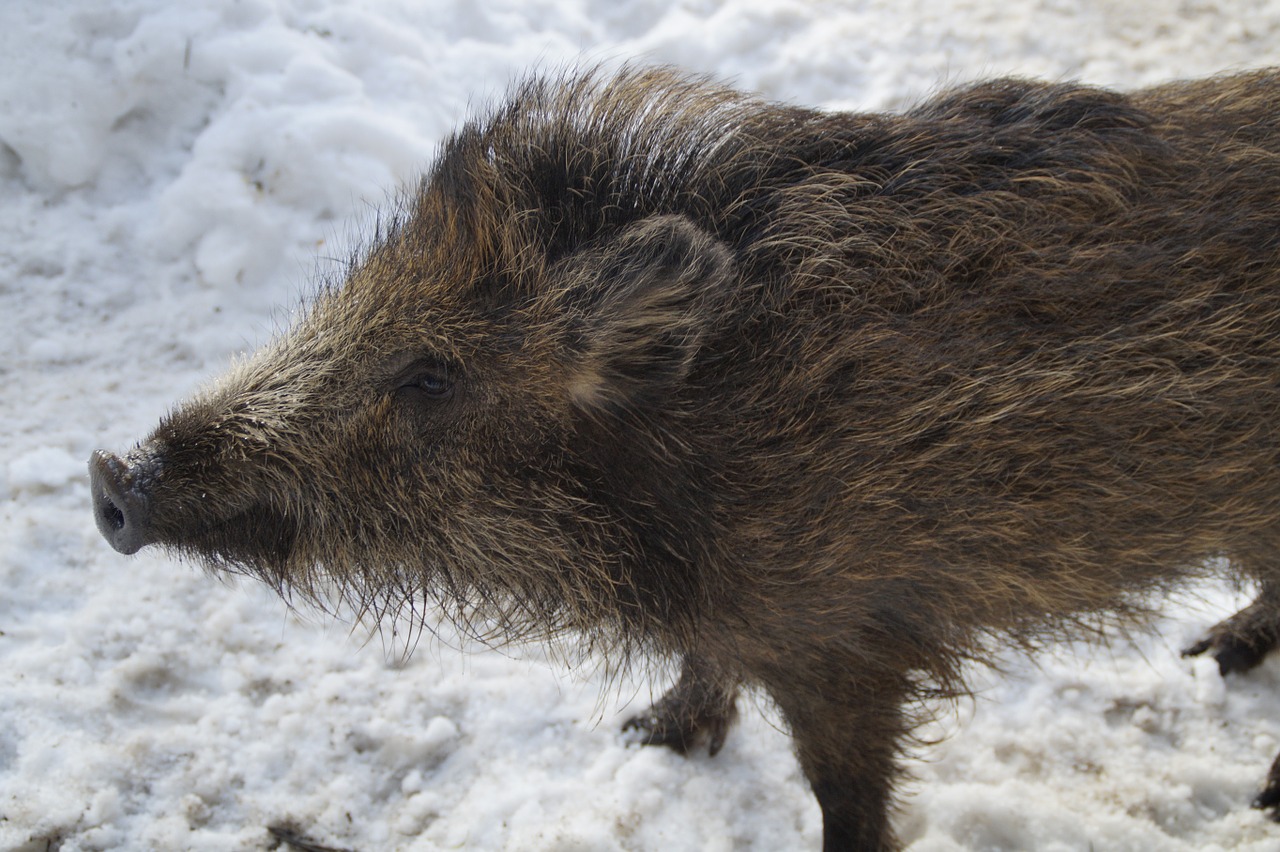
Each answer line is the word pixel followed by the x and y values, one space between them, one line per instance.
pixel 830 404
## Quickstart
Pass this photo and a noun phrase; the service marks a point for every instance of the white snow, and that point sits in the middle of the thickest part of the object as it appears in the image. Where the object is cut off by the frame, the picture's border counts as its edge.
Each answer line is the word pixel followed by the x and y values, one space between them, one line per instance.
pixel 169 175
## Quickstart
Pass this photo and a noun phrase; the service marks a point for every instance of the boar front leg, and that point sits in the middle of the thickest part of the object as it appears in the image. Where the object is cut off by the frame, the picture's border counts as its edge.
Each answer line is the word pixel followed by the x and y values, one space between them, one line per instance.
pixel 847 742
pixel 699 709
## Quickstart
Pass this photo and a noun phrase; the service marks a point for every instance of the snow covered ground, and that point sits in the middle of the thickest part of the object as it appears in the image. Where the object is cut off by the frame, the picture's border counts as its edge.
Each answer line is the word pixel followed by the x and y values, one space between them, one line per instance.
pixel 169 175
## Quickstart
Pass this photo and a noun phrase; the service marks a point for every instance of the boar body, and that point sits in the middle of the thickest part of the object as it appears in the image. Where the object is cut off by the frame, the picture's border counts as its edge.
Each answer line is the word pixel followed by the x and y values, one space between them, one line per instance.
pixel 830 404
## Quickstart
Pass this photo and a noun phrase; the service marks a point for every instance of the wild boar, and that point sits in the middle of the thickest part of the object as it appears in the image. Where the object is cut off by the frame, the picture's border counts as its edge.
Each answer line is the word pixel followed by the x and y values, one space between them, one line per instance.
pixel 830 404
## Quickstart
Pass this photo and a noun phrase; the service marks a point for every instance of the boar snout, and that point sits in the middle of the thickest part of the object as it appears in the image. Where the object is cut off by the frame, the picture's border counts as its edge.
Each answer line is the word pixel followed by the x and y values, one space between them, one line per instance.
pixel 121 502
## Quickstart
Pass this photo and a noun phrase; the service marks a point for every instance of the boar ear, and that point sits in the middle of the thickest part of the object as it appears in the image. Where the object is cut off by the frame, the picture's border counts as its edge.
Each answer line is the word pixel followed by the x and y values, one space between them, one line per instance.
pixel 644 302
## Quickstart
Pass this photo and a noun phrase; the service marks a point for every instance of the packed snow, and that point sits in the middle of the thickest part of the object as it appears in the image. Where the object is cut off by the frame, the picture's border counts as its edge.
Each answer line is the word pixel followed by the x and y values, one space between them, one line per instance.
pixel 173 175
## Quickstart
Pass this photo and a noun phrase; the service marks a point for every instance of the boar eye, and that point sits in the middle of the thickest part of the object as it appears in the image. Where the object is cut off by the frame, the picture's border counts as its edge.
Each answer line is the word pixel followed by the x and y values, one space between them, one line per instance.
pixel 431 383
pixel 434 386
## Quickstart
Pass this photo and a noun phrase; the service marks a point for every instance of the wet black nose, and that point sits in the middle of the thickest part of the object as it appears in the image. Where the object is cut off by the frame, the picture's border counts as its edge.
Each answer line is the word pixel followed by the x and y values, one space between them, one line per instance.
pixel 120 502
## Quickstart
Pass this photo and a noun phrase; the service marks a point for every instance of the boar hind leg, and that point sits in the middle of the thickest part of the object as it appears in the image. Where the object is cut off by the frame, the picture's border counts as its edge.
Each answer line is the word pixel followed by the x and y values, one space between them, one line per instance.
pixel 698 710
pixel 1240 642
pixel 1269 798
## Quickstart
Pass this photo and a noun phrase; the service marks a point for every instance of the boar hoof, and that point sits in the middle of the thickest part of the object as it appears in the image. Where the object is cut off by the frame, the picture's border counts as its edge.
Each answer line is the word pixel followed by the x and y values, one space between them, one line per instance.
pixel 1242 641
pixel 666 723
pixel 1269 799
pixel 699 709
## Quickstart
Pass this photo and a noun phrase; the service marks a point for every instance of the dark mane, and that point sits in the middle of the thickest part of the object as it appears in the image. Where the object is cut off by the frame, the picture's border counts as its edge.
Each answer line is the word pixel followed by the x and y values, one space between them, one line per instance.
pixel 573 158
pixel 568 158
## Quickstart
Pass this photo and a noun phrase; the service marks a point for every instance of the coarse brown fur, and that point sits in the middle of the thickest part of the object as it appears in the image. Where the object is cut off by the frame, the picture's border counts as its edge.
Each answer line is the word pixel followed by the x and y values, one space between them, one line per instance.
pixel 826 403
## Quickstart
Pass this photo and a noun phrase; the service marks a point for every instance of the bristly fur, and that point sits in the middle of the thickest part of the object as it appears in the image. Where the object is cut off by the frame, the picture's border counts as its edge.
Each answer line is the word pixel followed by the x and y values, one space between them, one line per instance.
pixel 825 403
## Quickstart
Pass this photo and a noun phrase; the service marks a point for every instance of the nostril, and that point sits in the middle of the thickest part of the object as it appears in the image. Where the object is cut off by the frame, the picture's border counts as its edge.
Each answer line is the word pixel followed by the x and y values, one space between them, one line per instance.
pixel 111 513
pixel 119 506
